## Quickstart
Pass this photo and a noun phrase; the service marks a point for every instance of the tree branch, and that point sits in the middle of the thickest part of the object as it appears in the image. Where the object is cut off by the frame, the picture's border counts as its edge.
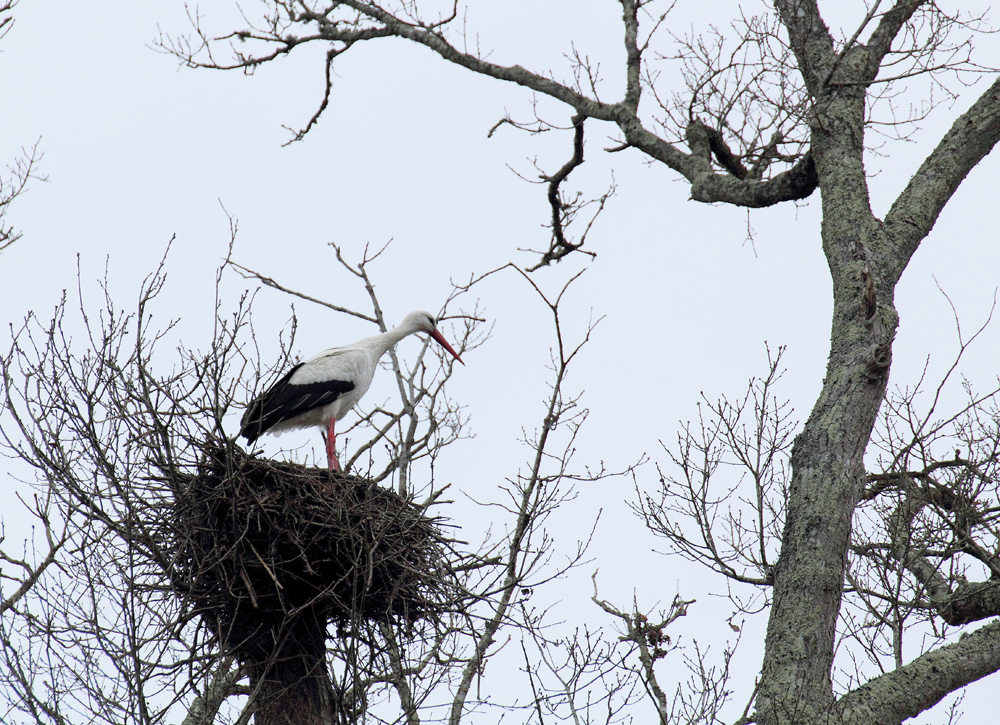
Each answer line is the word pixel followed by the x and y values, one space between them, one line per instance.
pixel 913 688
pixel 810 40
pixel 880 42
pixel 633 55
pixel 967 142
pixel 433 40
pixel 562 213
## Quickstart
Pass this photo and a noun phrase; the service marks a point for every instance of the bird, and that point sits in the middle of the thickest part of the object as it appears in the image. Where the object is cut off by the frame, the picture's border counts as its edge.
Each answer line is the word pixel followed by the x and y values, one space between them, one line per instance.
pixel 323 389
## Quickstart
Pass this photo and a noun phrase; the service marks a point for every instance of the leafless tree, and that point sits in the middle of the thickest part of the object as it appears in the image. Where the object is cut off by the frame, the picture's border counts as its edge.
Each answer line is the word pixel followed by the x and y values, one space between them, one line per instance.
pixel 22 169
pixel 21 567
pixel 769 111
pixel 163 560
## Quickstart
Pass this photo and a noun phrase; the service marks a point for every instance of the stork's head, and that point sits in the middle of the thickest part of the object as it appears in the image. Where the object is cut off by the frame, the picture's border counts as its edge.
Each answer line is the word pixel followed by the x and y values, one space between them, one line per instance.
pixel 421 321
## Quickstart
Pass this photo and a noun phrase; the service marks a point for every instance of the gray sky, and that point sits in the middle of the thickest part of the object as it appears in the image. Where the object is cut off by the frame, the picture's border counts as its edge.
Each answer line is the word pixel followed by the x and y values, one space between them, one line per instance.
pixel 138 150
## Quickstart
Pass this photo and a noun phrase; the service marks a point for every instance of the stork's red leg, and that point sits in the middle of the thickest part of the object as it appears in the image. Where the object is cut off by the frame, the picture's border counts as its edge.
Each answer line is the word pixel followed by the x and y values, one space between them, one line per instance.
pixel 331 445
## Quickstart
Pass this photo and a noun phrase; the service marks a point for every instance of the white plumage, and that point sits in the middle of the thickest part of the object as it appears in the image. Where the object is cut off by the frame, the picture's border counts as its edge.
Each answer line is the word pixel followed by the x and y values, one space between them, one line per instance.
pixel 321 390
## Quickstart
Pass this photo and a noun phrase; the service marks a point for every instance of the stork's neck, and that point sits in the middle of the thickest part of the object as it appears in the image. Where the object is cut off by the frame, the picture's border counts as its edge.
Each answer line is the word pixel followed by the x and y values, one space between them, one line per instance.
pixel 380 344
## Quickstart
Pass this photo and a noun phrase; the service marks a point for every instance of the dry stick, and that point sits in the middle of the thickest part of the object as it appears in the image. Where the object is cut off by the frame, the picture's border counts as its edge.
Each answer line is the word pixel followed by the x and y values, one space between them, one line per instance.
pixel 560 245
pixel 268 282
pixel 525 514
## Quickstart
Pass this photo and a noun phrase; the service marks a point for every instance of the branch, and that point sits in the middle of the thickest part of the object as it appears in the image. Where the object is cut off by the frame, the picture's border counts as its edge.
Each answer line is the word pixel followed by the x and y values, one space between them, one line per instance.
pixel 22 170
pixel 649 638
pixel 810 40
pixel 268 282
pixel 707 186
pixel 34 573
pixel 967 142
pixel 633 54
pixel 708 140
pixel 880 42
pixel 562 212
pixel 966 603
pixel 222 685
pixel 434 41
pixel 534 494
pixel 6 23
pixel 919 685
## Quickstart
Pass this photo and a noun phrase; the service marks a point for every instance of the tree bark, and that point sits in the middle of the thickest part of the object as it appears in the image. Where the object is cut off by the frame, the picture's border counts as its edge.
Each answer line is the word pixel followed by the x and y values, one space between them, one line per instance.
pixel 919 685
pixel 293 684
pixel 866 259
pixel 828 455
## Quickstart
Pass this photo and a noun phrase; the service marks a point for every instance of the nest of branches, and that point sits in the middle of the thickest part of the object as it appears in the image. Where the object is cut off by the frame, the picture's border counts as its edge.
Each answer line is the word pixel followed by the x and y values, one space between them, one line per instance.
pixel 262 546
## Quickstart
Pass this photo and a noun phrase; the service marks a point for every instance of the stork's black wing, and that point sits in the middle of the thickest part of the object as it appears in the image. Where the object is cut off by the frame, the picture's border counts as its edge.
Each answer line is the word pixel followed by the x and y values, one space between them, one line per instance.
pixel 285 400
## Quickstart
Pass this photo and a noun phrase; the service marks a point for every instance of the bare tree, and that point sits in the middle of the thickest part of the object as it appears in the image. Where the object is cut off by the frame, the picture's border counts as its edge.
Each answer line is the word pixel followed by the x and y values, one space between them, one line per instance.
pixel 22 169
pixel 195 580
pixel 770 111
pixel 20 570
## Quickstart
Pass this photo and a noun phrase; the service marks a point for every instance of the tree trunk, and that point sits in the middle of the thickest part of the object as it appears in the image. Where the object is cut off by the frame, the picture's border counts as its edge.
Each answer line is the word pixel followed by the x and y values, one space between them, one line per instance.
pixel 293 685
pixel 828 455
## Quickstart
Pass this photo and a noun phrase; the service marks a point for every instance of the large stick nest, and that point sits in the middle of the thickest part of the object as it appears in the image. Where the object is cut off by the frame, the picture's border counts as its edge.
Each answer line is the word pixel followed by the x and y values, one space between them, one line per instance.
pixel 261 543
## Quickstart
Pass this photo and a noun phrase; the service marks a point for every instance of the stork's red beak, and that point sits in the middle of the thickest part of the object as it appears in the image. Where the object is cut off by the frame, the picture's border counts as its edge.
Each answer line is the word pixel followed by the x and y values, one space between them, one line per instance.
pixel 444 343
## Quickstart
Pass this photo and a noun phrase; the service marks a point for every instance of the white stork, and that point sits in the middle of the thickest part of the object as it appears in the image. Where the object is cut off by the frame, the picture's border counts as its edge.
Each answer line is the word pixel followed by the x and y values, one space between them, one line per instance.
pixel 321 390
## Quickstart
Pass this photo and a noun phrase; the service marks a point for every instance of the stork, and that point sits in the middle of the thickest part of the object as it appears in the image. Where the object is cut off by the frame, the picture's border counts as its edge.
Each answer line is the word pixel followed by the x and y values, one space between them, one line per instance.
pixel 321 390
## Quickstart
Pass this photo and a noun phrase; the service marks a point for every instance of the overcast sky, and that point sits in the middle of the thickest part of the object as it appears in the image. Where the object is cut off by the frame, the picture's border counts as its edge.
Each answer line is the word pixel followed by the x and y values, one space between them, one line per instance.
pixel 138 150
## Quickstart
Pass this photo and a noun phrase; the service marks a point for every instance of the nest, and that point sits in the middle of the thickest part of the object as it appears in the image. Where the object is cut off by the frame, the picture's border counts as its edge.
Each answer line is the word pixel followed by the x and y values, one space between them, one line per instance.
pixel 263 546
